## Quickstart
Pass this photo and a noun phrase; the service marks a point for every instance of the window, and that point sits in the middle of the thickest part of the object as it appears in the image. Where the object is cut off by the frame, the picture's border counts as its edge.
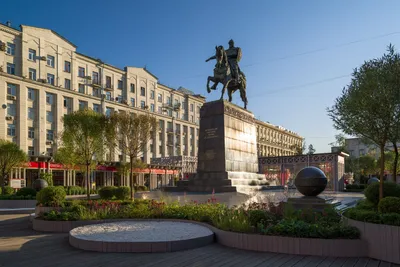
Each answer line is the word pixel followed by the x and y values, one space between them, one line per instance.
pixel 49 151
pixel 95 77
pixel 142 91
pixel 119 99
pixel 31 94
pixel 11 110
pixel 152 94
pixel 142 104
pixel 49 98
pixel 120 84
pixel 11 129
pixel 67 84
pixel 50 135
pixel 67 66
pixel 31 113
pixel 11 89
pixel 11 49
pixel 169 102
pixel 96 108
pixel 49 116
pixel 108 81
pixel 81 72
pixel 81 88
pixel 50 61
pixel 32 74
pixel 191 118
pixel 108 111
pixel 108 95
pixel 191 107
pixel 32 55
pixel 11 68
pixel 31 132
pixel 159 98
pixel 31 150
pixel 160 110
pixel 96 92
pixel 132 87
pixel 82 105
pixel 198 109
pixel 152 107
pixel 132 102
pixel 50 78
pixel 362 152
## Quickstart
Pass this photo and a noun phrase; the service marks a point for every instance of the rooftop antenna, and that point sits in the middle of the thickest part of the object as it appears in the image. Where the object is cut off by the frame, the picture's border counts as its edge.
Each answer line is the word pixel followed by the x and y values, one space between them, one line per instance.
pixel 8 23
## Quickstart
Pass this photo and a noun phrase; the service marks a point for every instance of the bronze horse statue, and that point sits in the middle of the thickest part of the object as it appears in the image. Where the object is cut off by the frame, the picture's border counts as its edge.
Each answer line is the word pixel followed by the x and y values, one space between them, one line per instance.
pixel 223 74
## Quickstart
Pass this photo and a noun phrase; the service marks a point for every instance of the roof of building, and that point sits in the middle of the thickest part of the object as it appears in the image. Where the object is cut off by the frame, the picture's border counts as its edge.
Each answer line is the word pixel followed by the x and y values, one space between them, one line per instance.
pixel 56 33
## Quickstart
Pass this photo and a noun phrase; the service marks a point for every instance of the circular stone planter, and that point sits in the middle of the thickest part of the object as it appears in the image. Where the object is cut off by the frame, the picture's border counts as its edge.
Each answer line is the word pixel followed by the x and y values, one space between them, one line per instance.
pixel 140 236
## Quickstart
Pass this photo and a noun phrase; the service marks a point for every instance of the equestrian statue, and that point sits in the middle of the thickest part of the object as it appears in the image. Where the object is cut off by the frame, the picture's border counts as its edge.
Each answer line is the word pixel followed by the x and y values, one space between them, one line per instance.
pixel 227 72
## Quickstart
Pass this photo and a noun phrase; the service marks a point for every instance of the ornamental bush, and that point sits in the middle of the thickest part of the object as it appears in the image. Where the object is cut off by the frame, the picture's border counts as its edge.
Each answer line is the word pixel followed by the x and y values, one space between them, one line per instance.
pixel 51 196
pixel 26 191
pixel 107 192
pixel 48 177
pixel 8 190
pixel 389 205
pixel 122 192
pixel 390 189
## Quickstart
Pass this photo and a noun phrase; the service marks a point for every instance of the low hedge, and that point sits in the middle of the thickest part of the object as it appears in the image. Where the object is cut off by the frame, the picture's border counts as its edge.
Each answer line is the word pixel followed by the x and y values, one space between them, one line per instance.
pixel 26 191
pixel 113 192
pixel 390 189
pixel 355 187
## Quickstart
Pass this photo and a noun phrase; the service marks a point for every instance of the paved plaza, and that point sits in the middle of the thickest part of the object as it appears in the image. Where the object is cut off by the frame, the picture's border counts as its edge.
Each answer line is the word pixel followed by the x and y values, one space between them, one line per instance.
pixel 21 246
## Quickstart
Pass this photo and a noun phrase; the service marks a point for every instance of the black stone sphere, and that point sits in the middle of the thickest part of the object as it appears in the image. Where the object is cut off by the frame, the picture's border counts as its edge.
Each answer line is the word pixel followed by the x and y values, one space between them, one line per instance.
pixel 373 180
pixel 310 181
pixel 39 184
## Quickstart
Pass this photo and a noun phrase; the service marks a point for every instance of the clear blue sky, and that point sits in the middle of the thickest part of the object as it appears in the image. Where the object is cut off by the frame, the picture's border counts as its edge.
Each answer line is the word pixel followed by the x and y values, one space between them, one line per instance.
pixel 173 38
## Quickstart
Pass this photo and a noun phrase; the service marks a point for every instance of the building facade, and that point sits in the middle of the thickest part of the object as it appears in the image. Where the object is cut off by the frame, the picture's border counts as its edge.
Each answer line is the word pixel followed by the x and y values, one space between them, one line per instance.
pixel 275 140
pixel 43 77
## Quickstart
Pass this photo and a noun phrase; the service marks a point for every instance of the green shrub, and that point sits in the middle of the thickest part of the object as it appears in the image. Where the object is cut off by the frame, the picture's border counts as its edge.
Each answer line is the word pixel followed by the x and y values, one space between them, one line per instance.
pixel 51 196
pixel 15 197
pixel 390 189
pixel 1 190
pixel 389 205
pixel 8 190
pixel 363 215
pixel 139 188
pixel 365 204
pixel 232 220
pixel 48 177
pixel 26 191
pixel 260 216
pixel 122 192
pixel 107 192
pixel 391 219
pixel 253 182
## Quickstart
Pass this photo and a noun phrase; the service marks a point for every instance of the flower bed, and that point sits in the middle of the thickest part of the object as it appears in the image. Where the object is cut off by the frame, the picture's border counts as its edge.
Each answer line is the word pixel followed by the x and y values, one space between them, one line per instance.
pixel 255 218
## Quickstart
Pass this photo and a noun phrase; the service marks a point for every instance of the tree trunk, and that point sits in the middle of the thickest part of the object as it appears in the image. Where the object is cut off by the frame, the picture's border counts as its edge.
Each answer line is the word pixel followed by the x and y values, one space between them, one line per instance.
pixel 88 181
pixel 396 159
pixel 131 178
pixel 382 147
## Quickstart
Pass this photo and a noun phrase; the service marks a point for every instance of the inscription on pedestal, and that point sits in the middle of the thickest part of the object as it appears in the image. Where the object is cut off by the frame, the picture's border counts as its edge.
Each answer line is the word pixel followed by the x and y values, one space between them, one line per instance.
pixel 210 154
pixel 210 133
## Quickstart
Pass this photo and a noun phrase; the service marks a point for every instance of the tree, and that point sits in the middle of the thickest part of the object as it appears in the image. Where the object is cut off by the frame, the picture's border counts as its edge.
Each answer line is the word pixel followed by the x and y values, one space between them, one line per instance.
pixel 133 135
pixel 299 149
pixel 369 105
pixel 311 149
pixel 340 142
pixel 84 138
pixel 367 165
pixel 11 156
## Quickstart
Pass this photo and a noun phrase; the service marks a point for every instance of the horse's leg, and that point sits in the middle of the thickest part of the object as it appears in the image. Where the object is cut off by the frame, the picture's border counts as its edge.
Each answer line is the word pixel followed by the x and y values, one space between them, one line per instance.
pixel 226 84
pixel 230 90
pixel 208 84
pixel 243 96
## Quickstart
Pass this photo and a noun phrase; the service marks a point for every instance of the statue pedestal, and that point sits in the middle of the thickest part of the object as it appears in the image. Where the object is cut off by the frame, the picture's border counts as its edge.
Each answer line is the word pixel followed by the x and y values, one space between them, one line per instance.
pixel 314 203
pixel 227 152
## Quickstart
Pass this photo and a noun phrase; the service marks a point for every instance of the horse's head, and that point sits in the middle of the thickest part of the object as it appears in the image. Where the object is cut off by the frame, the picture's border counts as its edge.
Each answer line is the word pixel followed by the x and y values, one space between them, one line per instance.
pixel 219 53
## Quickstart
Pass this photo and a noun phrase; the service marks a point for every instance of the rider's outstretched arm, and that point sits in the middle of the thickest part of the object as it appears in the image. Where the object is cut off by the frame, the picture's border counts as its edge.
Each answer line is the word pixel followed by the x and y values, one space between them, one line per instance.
pixel 213 57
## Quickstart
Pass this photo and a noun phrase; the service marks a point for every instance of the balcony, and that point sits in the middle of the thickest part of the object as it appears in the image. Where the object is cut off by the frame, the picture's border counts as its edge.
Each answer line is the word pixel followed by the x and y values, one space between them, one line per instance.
pixel 169 143
pixel 96 83
pixel 170 131
pixel 109 87
pixel 178 132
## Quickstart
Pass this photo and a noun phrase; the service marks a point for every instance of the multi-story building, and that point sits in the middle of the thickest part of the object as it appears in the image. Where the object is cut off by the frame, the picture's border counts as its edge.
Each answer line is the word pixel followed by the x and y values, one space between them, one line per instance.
pixel 275 140
pixel 43 77
pixel 356 147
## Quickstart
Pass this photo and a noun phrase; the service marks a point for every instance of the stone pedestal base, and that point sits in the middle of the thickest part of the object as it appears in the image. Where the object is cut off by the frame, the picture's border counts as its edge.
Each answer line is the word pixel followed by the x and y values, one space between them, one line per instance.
pixel 314 203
